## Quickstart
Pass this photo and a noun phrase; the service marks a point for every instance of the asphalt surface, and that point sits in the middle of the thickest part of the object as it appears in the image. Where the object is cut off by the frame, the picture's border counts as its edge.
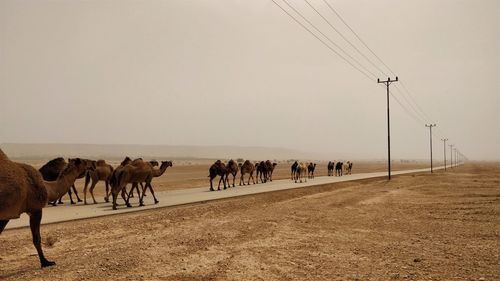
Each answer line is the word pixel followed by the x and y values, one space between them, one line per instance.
pixel 68 212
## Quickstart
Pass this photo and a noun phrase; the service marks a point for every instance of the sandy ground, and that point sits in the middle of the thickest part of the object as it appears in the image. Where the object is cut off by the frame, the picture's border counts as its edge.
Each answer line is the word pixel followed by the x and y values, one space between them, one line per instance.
pixel 444 226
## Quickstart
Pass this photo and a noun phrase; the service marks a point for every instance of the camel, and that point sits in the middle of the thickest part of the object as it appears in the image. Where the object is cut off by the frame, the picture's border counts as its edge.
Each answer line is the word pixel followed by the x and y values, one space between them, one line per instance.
pixel 331 167
pixel 270 169
pixel 293 170
pixel 135 172
pixel 102 172
pixel 231 169
pixel 347 168
pixel 51 170
pixel 300 172
pixel 22 191
pixel 113 180
pixel 217 169
pixel 261 172
pixel 247 168
pixel 135 186
pixel 155 173
pixel 338 169
pixel 310 170
pixel 56 189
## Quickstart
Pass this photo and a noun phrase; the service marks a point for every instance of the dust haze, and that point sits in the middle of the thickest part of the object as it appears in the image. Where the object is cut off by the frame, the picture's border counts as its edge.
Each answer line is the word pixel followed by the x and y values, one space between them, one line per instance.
pixel 242 73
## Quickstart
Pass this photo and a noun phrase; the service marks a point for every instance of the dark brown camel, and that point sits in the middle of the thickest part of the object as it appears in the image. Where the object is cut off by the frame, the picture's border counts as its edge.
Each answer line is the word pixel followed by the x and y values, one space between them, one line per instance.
pixel 262 172
pixel 247 168
pixel 51 170
pixel 217 169
pixel 331 167
pixel 270 169
pixel 22 191
pixel 294 170
pixel 338 169
pixel 231 169
pixel 310 170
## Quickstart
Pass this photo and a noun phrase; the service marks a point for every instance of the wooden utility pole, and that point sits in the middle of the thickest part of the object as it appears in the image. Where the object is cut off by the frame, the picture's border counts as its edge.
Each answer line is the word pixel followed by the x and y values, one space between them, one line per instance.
pixel 444 141
pixel 430 130
pixel 387 83
pixel 451 155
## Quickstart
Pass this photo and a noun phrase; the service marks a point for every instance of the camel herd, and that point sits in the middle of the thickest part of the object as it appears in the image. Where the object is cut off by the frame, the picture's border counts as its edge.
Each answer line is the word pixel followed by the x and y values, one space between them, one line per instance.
pixel 263 171
pixel 24 189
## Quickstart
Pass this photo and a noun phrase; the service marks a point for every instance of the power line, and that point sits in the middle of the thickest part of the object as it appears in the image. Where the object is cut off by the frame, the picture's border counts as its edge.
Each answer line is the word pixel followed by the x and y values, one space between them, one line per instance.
pixel 324 43
pixel 418 108
pixel 343 37
pixel 328 38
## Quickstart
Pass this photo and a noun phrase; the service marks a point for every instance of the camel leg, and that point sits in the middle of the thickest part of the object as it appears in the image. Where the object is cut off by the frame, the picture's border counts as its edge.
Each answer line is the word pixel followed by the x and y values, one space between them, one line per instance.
pixel 3 223
pixel 85 190
pixel 92 192
pixel 115 194
pixel 127 203
pixel 211 185
pixel 234 178
pixel 106 198
pixel 241 179
pixel 143 190
pixel 76 193
pixel 35 218
pixel 70 197
pixel 152 192
pixel 221 178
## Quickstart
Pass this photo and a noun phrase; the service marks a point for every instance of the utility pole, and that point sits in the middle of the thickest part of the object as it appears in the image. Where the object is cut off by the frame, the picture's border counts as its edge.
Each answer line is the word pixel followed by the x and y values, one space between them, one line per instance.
pixel 444 141
pixel 451 155
pixel 430 136
pixel 387 83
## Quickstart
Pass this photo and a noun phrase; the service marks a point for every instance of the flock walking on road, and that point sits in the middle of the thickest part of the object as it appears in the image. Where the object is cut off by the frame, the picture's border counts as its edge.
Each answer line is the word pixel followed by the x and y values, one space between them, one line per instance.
pixel 23 189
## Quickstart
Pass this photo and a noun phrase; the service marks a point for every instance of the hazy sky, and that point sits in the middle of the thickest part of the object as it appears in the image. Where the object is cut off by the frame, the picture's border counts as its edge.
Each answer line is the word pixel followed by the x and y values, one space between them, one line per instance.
pixel 244 73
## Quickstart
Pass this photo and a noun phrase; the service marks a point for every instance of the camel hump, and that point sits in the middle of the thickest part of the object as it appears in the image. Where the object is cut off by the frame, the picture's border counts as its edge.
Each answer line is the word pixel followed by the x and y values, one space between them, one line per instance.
pixel 100 162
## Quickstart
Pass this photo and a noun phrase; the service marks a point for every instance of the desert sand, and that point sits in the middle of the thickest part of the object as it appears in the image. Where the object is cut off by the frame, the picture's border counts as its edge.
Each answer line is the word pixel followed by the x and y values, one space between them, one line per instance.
pixel 441 226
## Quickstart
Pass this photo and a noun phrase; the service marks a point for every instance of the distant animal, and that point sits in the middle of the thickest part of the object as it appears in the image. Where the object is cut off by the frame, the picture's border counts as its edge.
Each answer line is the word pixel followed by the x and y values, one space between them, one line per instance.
pixel 348 168
pixel 102 172
pixel 338 169
pixel 247 168
pixel 217 169
pixel 300 172
pixel 22 191
pixel 231 169
pixel 51 170
pixel 293 170
pixel 310 170
pixel 270 169
pixel 262 172
pixel 147 184
pixel 331 167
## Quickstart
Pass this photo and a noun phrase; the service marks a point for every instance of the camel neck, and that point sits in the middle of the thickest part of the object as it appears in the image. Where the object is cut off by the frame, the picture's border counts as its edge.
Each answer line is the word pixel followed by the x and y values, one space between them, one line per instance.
pixel 159 172
pixel 3 156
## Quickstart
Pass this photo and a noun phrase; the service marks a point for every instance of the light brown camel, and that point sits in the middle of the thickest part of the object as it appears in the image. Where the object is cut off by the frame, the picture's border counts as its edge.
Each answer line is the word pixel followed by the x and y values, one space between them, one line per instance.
pixel 102 172
pixel 135 172
pixel 247 168
pixel 270 169
pixel 217 169
pixel 301 172
pixel 135 185
pixel 56 189
pixel 156 173
pixel 231 169
pixel 22 191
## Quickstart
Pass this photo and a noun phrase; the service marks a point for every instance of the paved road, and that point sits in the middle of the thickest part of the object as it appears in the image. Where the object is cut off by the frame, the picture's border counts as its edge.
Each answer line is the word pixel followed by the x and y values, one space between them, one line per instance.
pixel 185 196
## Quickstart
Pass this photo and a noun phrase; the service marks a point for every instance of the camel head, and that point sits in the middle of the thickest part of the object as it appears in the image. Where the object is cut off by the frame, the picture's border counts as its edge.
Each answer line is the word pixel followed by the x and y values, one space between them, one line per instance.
pixel 165 164
pixel 154 163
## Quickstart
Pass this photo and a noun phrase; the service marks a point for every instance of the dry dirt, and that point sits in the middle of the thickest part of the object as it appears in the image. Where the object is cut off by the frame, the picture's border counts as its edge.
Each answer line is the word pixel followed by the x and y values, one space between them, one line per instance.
pixel 444 226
